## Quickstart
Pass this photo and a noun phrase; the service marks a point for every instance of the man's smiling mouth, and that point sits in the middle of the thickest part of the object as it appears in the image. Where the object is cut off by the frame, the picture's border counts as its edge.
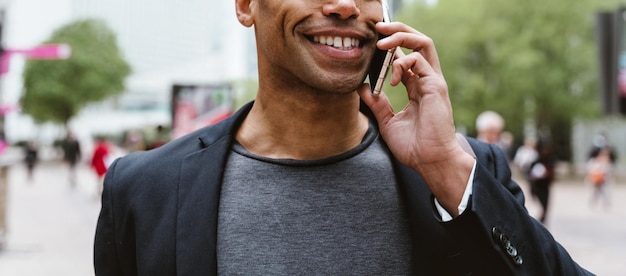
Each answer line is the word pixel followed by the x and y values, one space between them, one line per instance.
pixel 342 43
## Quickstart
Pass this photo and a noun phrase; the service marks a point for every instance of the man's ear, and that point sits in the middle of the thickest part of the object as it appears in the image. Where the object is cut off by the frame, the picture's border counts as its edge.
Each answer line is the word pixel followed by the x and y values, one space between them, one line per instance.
pixel 245 11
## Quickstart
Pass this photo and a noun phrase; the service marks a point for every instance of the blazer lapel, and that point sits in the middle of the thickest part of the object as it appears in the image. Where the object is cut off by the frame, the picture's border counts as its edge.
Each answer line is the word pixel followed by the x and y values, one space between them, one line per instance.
pixel 198 202
pixel 198 199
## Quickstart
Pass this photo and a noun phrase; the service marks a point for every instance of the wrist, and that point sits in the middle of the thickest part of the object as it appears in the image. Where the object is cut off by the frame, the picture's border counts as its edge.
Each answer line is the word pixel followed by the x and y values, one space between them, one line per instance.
pixel 448 179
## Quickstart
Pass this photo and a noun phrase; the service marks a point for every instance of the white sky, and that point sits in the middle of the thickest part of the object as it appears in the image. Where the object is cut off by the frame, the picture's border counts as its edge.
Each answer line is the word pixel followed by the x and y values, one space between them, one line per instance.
pixel 29 22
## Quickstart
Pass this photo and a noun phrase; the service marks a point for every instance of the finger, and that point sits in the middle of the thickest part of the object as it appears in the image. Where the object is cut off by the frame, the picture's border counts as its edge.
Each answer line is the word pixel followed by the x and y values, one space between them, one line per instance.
pixel 414 64
pixel 379 105
pixel 404 36
pixel 411 67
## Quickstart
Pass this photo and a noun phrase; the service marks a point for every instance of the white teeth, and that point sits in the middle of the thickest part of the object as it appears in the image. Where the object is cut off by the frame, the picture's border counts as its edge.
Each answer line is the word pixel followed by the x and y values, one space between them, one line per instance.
pixel 338 42
pixel 347 42
pixel 330 41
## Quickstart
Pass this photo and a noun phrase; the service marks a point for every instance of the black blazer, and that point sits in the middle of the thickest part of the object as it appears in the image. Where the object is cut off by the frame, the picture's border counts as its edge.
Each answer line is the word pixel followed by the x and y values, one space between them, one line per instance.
pixel 159 215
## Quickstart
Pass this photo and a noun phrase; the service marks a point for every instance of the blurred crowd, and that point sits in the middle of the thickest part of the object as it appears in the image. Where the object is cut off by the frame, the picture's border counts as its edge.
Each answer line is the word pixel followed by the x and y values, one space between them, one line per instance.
pixel 535 162
pixel 97 151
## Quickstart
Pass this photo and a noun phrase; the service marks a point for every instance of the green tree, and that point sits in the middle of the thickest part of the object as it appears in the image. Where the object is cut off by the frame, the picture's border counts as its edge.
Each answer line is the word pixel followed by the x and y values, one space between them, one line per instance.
pixel 529 60
pixel 56 90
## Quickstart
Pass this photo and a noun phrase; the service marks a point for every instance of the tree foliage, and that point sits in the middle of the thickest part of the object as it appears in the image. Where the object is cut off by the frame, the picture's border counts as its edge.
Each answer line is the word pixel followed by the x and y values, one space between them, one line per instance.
pixel 56 90
pixel 526 59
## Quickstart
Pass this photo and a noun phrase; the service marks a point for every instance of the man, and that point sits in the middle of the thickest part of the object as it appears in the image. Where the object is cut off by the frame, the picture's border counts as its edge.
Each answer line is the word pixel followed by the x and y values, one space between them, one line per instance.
pixel 308 180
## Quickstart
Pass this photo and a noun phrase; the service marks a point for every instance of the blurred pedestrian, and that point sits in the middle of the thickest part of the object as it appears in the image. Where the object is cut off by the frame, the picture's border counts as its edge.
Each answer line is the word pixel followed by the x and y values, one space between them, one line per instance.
pixel 134 141
pixel 100 160
pixel 525 155
pixel 541 175
pixel 162 137
pixel 601 142
pixel 489 126
pixel 71 155
pixel 600 174
pixel 490 129
pixel 30 158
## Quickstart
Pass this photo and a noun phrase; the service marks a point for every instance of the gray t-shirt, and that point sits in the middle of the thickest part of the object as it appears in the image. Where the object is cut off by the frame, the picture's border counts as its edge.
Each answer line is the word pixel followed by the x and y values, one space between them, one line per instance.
pixel 341 215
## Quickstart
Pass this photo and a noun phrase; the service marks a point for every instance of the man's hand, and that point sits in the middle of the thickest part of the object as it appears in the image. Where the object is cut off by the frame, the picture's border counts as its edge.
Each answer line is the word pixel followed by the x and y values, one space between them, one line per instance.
pixel 422 135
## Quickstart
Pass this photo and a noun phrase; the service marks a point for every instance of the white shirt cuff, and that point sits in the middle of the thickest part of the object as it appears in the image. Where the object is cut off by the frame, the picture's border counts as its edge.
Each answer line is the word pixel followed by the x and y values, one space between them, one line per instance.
pixel 445 216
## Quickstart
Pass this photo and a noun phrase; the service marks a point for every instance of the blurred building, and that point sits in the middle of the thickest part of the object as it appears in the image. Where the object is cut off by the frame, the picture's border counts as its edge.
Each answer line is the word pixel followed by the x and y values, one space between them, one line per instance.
pixel 172 41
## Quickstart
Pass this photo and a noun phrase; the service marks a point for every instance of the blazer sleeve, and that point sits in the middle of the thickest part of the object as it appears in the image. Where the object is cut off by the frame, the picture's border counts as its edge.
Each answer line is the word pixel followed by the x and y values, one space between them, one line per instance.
pixel 112 256
pixel 105 256
pixel 496 231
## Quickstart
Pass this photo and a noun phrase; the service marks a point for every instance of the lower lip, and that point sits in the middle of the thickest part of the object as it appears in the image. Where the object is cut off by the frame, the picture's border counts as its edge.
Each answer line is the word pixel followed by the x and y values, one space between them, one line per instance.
pixel 345 54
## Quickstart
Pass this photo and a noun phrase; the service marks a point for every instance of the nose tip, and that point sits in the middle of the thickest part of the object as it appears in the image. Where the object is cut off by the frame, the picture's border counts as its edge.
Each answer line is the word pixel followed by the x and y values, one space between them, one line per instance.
pixel 343 9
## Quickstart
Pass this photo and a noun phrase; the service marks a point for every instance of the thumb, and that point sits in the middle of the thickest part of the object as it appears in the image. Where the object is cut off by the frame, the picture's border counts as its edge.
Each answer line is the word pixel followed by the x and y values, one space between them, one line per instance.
pixel 379 105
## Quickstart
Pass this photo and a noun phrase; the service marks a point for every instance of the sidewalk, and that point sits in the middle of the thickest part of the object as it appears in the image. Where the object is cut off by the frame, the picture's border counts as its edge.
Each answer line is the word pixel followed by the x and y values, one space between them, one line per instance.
pixel 594 237
pixel 51 226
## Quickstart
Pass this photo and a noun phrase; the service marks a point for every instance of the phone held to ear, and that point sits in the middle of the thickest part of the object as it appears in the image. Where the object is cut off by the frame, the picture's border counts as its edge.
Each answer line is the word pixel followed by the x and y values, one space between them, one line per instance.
pixel 382 60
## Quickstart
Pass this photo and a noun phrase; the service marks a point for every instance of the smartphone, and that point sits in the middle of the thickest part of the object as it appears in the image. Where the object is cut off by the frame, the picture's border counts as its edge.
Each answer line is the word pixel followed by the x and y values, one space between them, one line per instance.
pixel 382 60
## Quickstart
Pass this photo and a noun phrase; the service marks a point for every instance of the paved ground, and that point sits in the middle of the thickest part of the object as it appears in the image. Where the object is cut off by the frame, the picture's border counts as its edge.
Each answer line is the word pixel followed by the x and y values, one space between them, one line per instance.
pixel 51 226
pixel 594 236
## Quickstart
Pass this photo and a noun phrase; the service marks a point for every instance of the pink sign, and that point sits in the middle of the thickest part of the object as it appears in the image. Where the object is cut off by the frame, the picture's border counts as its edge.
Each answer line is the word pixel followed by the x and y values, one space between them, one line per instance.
pixel 46 51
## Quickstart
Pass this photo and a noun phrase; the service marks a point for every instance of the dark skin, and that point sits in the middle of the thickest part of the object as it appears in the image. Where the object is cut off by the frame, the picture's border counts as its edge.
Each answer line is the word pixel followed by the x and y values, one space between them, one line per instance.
pixel 307 105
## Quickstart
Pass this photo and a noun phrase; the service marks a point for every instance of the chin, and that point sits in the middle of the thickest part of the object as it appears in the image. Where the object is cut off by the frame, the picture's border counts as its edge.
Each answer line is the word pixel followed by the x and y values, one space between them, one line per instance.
pixel 338 91
pixel 341 87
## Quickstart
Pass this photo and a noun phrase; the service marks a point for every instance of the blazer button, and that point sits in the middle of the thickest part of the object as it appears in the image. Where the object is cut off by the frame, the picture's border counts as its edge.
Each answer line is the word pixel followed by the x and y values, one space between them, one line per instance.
pixel 496 233
pixel 518 260
pixel 506 244
pixel 510 249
